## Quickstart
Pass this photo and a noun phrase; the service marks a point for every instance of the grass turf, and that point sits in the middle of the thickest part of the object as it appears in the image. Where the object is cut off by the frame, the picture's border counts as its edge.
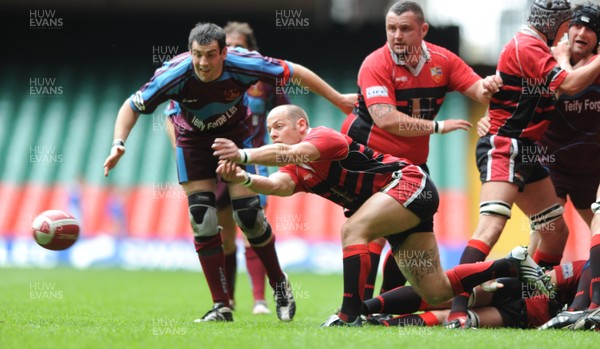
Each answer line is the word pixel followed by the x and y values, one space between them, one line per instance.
pixel 66 308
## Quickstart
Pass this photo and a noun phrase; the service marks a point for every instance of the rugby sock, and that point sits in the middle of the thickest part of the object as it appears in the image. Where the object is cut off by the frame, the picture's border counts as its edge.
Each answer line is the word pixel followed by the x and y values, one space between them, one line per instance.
pixel 581 301
pixel 546 260
pixel 268 257
pixel 212 260
pixel 595 272
pixel 401 300
pixel 374 253
pixel 257 273
pixel 467 276
pixel 476 251
pixel 424 319
pixel 392 276
pixel 357 264
pixel 230 271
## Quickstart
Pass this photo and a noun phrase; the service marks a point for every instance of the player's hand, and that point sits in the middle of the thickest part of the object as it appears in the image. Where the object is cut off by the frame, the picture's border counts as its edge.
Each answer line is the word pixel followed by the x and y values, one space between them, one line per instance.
pixel 348 102
pixel 491 84
pixel 455 124
pixel 111 161
pixel 230 172
pixel 225 149
pixel 491 285
pixel 483 126
pixel 562 53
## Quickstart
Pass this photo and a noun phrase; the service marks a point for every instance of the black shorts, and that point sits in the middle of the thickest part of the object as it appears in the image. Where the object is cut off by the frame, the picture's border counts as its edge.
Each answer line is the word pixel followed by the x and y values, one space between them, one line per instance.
pixel 580 188
pixel 504 159
pixel 509 302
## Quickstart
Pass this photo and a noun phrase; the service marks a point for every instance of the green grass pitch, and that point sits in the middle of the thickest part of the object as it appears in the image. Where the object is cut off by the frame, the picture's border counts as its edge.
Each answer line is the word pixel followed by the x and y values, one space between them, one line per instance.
pixel 66 308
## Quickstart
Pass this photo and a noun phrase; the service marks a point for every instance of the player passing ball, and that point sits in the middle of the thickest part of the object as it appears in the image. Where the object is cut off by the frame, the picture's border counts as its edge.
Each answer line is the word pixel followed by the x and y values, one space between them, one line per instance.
pixel 391 198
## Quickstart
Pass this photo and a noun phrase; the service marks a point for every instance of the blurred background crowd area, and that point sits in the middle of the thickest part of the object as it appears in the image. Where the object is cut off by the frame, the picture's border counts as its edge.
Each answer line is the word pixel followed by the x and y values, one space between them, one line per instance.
pixel 68 66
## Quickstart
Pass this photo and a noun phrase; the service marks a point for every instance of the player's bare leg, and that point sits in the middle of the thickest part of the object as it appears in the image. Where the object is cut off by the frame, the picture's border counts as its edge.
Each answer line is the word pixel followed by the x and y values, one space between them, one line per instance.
pixel 543 208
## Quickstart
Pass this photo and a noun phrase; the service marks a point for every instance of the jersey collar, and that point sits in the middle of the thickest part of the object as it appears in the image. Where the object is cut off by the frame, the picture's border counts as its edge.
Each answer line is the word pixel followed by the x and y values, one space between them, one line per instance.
pixel 425 57
pixel 525 29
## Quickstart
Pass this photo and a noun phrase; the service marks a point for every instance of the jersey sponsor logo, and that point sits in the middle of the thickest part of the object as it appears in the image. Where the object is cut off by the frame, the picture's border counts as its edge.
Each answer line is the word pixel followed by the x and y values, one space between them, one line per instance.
pixel 402 79
pixel 231 95
pixel 138 101
pixel 377 91
pixel 218 122
pixel 437 74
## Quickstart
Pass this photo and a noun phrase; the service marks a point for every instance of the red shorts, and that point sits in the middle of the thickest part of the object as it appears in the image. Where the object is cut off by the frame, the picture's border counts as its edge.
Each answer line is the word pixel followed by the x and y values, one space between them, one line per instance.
pixel 413 189
pixel 504 159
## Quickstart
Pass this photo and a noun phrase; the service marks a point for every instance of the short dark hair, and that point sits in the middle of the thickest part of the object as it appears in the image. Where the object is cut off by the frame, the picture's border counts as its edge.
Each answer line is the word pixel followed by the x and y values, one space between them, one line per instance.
pixel 205 33
pixel 588 15
pixel 245 29
pixel 408 6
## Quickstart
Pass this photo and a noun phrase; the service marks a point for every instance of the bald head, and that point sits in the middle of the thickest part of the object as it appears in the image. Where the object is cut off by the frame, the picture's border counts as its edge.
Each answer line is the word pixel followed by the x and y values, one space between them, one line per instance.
pixel 293 112
pixel 287 124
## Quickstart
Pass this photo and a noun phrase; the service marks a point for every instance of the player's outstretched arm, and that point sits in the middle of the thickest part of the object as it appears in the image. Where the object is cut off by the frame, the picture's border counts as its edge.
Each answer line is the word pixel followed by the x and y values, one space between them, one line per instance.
pixel 269 155
pixel 126 119
pixel 279 184
pixel 307 78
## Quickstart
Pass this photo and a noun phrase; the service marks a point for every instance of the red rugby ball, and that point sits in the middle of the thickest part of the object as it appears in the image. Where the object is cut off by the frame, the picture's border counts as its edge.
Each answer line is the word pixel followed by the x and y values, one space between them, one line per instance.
pixel 55 230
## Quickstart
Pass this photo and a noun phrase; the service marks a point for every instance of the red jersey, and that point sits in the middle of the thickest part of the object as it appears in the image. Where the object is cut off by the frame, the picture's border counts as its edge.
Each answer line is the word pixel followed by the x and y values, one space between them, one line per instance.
pixel 417 92
pixel 525 104
pixel 347 173
pixel 540 308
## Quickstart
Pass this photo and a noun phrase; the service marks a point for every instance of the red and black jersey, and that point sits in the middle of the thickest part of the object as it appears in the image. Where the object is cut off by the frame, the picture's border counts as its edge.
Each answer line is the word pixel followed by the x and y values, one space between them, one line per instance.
pixel 347 173
pixel 540 308
pixel 525 104
pixel 417 92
